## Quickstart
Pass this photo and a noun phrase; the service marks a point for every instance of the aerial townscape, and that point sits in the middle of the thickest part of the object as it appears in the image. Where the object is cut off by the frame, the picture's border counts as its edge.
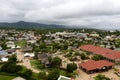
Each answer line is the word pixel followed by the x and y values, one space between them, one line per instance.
pixel 59 39
pixel 59 54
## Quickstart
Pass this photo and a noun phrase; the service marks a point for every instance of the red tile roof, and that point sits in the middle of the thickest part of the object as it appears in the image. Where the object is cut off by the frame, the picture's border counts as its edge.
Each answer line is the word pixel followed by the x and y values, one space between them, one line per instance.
pixel 92 65
pixel 108 53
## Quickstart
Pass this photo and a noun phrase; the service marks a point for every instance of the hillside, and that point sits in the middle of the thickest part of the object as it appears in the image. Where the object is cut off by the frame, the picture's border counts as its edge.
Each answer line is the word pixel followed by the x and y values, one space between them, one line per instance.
pixel 23 24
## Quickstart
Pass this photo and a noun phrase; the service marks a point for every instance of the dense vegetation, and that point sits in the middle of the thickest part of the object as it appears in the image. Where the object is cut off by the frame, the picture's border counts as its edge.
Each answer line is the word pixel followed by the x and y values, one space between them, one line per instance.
pixel 11 67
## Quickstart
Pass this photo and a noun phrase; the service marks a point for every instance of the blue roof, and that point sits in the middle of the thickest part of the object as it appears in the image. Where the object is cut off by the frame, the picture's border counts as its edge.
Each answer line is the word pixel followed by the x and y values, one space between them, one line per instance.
pixel 0 48
pixel 3 52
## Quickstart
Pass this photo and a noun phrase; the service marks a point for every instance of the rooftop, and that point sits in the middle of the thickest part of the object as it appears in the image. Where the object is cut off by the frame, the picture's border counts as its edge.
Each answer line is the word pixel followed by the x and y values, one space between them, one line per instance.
pixel 92 65
pixel 18 78
pixel 63 78
pixel 108 53
pixel 3 52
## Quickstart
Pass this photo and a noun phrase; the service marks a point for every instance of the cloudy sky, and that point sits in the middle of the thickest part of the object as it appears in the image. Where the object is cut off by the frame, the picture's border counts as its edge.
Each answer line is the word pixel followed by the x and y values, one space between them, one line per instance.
pixel 90 13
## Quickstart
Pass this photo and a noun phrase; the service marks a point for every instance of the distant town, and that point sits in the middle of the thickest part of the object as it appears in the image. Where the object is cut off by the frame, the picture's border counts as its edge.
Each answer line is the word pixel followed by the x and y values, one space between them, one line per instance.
pixel 59 54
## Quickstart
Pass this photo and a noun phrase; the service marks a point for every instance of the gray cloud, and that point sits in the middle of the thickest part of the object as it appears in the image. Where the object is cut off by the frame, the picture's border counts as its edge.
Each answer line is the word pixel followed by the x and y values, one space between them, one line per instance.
pixel 92 13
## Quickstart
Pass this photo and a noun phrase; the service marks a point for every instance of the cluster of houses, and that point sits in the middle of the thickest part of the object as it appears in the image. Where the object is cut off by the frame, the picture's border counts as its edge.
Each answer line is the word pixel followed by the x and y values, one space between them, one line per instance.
pixel 11 37
pixel 83 36
pixel 111 57
pixel 4 54
pixel 60 35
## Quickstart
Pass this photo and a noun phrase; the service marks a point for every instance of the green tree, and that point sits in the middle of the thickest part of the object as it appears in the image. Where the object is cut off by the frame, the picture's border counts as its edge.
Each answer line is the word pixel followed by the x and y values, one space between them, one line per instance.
pixel 97 57
pixel 4 46
pixel 71 67
pixel 101 77
pixel 27 74
pixel 56 62
pixel 76 54
pixel 36 48
pixel 64 46
pixel 11 67
pixel 56 46
pixel 54 74
pixel 12 58
pixel 83 56
pixel 42 76
pixel 36 55
pixel 42 45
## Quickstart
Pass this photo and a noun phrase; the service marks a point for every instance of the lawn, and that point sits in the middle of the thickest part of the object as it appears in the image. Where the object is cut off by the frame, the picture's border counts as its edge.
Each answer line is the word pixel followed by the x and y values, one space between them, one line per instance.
pixel 21 43
pixel 35 63
pixel 5 77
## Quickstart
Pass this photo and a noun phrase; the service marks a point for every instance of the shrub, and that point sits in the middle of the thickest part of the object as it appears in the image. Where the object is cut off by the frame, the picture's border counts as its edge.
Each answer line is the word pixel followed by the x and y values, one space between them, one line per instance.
pixel 71 67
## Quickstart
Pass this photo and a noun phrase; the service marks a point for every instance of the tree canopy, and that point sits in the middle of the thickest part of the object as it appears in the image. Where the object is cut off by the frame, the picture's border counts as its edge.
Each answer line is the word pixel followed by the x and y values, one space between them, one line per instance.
pixel 97 57
pixel 71 67
pixel 56 62
pixel 54 74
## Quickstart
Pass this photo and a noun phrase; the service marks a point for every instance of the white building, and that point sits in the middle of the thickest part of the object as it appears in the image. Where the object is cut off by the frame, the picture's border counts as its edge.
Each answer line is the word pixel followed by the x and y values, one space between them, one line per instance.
pixel 10 44
pixel 63 78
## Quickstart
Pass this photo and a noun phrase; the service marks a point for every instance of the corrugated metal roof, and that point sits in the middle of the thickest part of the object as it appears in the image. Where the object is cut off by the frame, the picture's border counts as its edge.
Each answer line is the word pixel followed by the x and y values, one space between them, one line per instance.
pixel 3 52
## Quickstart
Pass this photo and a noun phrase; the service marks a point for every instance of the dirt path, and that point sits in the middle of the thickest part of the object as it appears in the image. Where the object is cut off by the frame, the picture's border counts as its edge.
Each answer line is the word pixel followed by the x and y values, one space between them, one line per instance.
pixel 65 61
pixel 85 76
pixel 25 61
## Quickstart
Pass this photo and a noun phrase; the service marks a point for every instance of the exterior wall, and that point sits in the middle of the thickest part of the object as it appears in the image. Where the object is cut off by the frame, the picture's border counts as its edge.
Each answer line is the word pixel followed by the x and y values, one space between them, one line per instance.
pixel 96 70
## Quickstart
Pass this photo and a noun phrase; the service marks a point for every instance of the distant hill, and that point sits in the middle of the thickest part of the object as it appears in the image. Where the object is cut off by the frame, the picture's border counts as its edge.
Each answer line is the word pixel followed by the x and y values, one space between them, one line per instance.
pixel 23 24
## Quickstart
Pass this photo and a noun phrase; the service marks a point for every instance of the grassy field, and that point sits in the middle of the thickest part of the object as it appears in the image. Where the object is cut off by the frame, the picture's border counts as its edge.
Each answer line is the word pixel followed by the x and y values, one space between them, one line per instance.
pixel 5 77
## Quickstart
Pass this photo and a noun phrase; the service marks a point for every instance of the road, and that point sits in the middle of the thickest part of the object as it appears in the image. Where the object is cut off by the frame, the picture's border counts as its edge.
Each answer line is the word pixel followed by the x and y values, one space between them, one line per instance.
pixel 25 61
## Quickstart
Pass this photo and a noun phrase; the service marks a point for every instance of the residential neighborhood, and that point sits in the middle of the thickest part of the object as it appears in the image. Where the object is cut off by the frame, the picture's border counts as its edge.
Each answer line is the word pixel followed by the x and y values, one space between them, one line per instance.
pixel 59 39
pixel 64 55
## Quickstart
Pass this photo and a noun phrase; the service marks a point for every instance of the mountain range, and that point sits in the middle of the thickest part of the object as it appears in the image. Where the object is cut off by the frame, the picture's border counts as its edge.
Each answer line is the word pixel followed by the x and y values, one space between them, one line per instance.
pixel 23 24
